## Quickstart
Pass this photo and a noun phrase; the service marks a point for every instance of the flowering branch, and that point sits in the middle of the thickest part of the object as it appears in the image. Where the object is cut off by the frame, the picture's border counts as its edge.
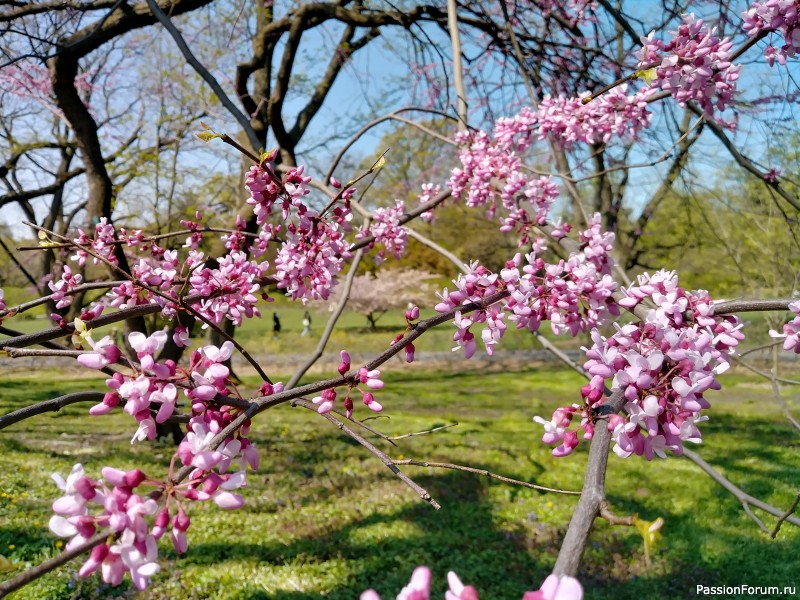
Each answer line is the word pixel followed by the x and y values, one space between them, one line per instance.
pixel 156 292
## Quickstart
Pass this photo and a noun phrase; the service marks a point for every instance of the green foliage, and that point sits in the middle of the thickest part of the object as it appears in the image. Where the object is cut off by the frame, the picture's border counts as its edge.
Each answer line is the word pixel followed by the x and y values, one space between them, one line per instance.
pixel 324 517
pixel 731 239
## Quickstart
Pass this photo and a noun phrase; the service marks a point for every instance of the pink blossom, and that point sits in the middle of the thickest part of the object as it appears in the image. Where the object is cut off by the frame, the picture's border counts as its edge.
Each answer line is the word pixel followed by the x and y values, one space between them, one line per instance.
pixel 370 378
pixel 662 365
pixel 105 352
pixel 779 16
pixel 325 401
pixel 386 230
pixel 694 65
pixel 67 283
pixel 557 588
pixel 181 337
pixel 344 366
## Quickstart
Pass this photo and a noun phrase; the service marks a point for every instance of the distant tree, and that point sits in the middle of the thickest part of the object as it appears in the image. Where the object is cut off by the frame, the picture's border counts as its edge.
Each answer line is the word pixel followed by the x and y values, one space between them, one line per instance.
pixel 374 294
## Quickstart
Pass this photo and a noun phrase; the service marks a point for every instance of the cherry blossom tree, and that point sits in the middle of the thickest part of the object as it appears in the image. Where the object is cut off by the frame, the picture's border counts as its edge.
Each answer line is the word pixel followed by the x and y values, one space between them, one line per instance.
pixel 373 295
pixel 587 112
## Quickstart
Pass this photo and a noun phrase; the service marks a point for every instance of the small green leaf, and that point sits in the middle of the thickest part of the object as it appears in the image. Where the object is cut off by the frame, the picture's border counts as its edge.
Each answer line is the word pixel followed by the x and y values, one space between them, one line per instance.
pixel 649 75
pixel 5 564
pixel 207 136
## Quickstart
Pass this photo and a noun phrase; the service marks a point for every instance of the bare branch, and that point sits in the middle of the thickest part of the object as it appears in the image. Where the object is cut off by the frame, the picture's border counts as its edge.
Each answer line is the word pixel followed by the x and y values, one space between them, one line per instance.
pixel 53 405
pixel 740 495
pixel 785 516
pixel 426 432
pixel 241 118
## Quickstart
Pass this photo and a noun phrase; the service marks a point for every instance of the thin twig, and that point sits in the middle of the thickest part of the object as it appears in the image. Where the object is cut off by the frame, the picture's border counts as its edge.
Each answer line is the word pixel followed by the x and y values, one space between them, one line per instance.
pixel 391 116
pixel 241 118
pixel 740 495
pixel 785 516
pixel 436 247
pixel 149 238
pixel 776 392
pixel 761 372
pixel 484 472
pixel 426 432
pixel 605 512
pixel 749 512
pixel 758 348
pixel 93 285
pixel 384 458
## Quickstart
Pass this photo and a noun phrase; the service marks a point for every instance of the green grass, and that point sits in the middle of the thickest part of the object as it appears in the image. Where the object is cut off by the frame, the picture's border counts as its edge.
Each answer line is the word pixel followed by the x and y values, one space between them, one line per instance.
pixel 325 517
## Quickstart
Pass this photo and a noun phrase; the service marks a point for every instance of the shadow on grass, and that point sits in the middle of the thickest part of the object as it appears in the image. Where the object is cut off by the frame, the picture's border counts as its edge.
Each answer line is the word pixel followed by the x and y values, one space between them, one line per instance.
pixel 462 536
pixel 613 566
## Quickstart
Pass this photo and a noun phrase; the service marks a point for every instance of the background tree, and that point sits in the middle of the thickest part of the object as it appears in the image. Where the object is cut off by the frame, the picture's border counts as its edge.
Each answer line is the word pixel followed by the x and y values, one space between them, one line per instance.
pixel 372 295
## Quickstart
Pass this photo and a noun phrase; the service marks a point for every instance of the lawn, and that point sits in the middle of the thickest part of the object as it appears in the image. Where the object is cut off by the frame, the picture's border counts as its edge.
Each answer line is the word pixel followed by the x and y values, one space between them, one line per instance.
pixel 326 518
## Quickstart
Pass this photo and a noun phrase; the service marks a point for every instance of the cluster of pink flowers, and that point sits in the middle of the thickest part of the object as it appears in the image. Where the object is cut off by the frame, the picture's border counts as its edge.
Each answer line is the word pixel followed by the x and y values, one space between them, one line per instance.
pixel 387 231
pixel 614 114
pixel 138 521
pixel 134 237
pixel 229 291
pixel 315 248
pixel 102 244
pixel 419 588
pixel 122 510
pixel 791 330
pixel 574 295
pixel 371 379
pixel 68 282
pixel 429 191
pixel 775 15
pixel 663 365
pixel 313 254
pixel 412 314
pixel 694 65
pixel 195 227
pixel 266 188
pixel 494 169
pixel 153 384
